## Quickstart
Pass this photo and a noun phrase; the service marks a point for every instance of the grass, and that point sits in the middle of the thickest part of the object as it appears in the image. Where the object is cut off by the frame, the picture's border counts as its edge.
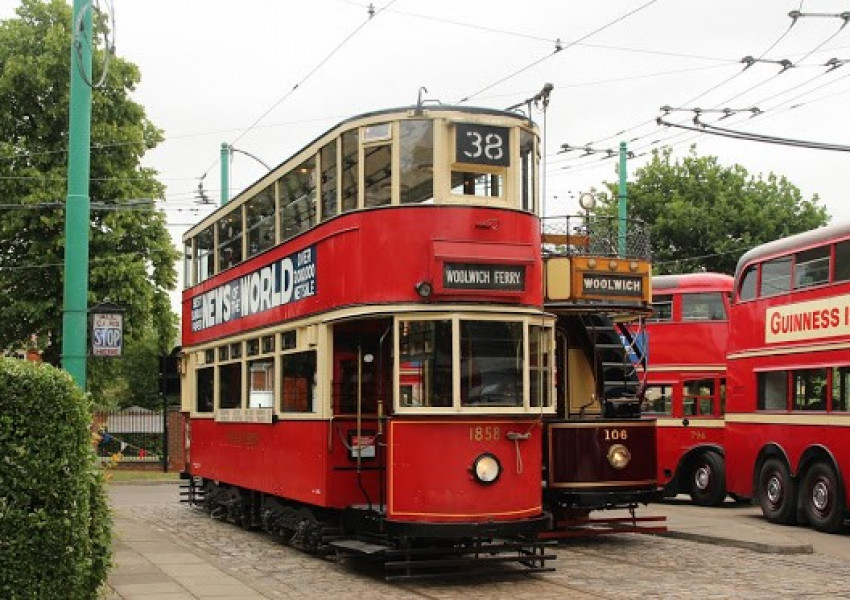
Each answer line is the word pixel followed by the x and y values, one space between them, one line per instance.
pixel 130 476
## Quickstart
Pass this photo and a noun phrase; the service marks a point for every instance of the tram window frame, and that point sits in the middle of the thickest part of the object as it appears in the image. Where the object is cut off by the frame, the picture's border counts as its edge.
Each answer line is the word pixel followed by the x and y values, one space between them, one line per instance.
pixel 298 199
pixel 540 345
pixel 377 175
pixel 420 346
pixel 293 362
pixel 205 382
pixel 416 161
pixel 528 161
pixel 349 182
pixel 225 398
pixel 329 180
pixel 188 262
pixel 812 267
pixel 260 397
pixel 841 264
pixel 205 253
pixel 662 404
pixel 492 362
pixel 260 228
pixel 230 229
pixel 478 184
pixel 772 390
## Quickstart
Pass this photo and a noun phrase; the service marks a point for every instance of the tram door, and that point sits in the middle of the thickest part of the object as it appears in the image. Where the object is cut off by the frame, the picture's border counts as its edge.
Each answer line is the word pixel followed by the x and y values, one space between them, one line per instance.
pixel 361 372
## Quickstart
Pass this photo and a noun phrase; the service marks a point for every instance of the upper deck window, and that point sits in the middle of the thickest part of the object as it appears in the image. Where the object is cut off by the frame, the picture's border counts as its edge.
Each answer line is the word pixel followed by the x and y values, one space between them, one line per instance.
pixel 747 290
pixel 528 160
pixel 477 184
pixel 259 214
pixel 329 187
pixel 230 239
pixel 811 267
pixel 298 199
pixel 662 308
pixel 842 261
pixel 378 175
pixel 775 276
pixel 416 164
pixel 349 177
pixel 703 307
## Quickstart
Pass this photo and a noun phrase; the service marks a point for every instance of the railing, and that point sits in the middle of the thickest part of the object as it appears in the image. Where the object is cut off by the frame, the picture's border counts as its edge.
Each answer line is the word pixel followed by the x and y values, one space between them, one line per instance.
pixel 130 435
pixel 591 235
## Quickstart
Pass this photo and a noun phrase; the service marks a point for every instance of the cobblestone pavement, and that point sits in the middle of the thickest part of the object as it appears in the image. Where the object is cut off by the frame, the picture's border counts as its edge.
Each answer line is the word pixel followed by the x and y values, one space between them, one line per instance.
pixel 614 566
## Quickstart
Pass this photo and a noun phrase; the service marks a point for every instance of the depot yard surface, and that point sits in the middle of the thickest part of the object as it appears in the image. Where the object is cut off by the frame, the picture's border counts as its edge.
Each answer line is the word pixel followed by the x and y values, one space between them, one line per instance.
pixel 165 550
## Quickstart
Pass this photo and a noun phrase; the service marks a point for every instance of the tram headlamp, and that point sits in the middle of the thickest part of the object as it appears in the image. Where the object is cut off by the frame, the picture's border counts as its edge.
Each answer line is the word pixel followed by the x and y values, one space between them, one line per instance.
pixel 486 469
pixel 619 456
pixel 424 289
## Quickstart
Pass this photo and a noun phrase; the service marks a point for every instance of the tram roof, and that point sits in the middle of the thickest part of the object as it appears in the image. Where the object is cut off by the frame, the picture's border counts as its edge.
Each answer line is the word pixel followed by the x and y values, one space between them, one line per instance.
pixel 800 241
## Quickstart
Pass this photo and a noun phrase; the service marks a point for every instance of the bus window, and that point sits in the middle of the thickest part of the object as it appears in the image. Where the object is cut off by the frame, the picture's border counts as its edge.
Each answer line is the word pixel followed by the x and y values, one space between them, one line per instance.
pixel 204 255
pixel 698 397
pixel 378 175
pixel 811 267
pixel 773 390
pixel 775 276
pixel 350 153
pixel 491 363
pixel 298 199
pixel 426 362
pixel 298 382
pixel 842 261
pixel 809 389
pixel 259 214
pixel 416 150
pixel 703 307
pixel 841 389
pixel 723 396
pixel 662 308
pixel 658 399
pixel 328 158
pixel 230 239
pixel 747 290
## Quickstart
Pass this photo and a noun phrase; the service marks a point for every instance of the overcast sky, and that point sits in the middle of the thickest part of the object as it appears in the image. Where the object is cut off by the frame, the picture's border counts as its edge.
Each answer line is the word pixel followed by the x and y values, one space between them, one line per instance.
pixel 269 76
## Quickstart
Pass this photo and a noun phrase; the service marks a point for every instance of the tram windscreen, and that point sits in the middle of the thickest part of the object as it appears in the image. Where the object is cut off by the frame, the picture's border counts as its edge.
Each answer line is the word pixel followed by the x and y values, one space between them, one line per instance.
pixel 491 363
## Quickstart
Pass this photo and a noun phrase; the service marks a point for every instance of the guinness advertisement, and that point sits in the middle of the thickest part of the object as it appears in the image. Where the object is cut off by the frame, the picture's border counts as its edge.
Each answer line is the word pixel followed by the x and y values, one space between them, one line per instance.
pixel 467 276
pixel 604 284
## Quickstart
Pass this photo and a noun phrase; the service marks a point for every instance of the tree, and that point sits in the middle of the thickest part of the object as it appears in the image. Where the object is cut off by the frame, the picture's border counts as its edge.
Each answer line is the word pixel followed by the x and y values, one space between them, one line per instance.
pixel 704 216
pixel 131 254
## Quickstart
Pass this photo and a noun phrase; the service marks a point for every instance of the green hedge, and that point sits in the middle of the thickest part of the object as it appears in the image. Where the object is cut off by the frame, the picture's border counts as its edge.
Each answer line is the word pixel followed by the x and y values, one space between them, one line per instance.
pixel 55 527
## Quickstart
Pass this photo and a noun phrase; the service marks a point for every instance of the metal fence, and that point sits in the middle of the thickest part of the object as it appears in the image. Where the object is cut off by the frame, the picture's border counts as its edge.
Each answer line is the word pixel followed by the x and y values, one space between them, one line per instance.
pixel 593 235
pixel 132 434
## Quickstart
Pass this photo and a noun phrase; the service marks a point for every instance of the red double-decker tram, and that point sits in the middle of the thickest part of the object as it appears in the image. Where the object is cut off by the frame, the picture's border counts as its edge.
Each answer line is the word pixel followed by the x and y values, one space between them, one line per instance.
pixel 600 452
pixel 366 358
pixel 788 410
pixel 686 339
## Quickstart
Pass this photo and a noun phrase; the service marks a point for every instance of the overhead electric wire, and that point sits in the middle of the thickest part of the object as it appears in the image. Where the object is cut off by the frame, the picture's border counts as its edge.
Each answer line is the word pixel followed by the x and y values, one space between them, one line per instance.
pixel 558 48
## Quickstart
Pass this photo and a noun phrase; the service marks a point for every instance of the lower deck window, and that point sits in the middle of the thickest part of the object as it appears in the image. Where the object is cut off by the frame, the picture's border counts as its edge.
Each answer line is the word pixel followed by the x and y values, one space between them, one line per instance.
pixel 773 390
pixel 230 385
pixel 658 399
pixel 426 363
pixel 809 389
pixel 698 397
pixel 298 382
pixel 491 363
pixel 204 379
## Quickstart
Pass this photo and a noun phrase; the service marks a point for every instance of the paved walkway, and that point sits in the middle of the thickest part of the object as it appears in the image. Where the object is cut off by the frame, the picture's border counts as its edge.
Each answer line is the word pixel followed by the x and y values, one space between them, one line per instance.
pixel 150 564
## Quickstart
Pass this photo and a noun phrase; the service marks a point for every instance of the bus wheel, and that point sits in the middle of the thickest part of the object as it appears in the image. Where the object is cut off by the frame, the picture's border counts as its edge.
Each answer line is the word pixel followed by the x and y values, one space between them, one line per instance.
pixel 822 502
pixel 777 492
pixel 708 480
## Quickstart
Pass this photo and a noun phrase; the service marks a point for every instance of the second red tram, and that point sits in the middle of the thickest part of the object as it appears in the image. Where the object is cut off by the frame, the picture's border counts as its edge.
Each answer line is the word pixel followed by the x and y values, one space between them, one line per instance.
pixel 686 339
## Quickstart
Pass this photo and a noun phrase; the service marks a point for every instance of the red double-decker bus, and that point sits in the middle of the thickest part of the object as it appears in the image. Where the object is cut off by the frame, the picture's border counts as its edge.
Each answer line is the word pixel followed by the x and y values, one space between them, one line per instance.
pixel 788 408
pixel 685 389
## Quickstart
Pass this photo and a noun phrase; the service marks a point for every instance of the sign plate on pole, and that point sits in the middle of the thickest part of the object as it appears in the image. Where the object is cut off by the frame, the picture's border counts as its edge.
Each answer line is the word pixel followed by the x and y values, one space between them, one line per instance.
pixel 107 334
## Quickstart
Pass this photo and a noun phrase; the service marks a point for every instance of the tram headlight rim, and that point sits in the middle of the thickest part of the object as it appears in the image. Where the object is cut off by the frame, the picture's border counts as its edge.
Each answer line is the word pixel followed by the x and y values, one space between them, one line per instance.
pixel 619 456
pixel 486 468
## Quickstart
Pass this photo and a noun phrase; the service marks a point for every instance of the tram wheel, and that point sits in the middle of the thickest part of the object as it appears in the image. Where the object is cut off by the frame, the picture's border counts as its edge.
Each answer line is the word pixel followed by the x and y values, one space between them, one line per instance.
pixel 822 499
pixel 777 492
pixel 708 480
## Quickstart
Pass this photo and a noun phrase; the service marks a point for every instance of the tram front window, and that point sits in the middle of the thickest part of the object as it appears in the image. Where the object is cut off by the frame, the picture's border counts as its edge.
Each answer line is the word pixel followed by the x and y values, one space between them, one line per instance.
pixel 426 363
pixel 491 359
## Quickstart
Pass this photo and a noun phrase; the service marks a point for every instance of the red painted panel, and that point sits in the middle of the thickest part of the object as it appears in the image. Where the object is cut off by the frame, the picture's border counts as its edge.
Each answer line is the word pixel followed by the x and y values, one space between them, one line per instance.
pixel 378 256
pixel 674 442
pixel 430 478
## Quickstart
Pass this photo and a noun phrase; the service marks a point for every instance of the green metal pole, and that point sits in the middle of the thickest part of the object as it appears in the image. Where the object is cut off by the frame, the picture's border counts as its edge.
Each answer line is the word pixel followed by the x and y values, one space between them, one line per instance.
pixel 77 208
pixel 225 173
pixel 623 203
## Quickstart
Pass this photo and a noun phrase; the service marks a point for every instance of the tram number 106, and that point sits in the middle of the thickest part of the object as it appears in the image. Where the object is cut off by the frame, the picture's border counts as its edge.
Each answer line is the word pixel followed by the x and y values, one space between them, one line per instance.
pixel 482 145
pixel 616 435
